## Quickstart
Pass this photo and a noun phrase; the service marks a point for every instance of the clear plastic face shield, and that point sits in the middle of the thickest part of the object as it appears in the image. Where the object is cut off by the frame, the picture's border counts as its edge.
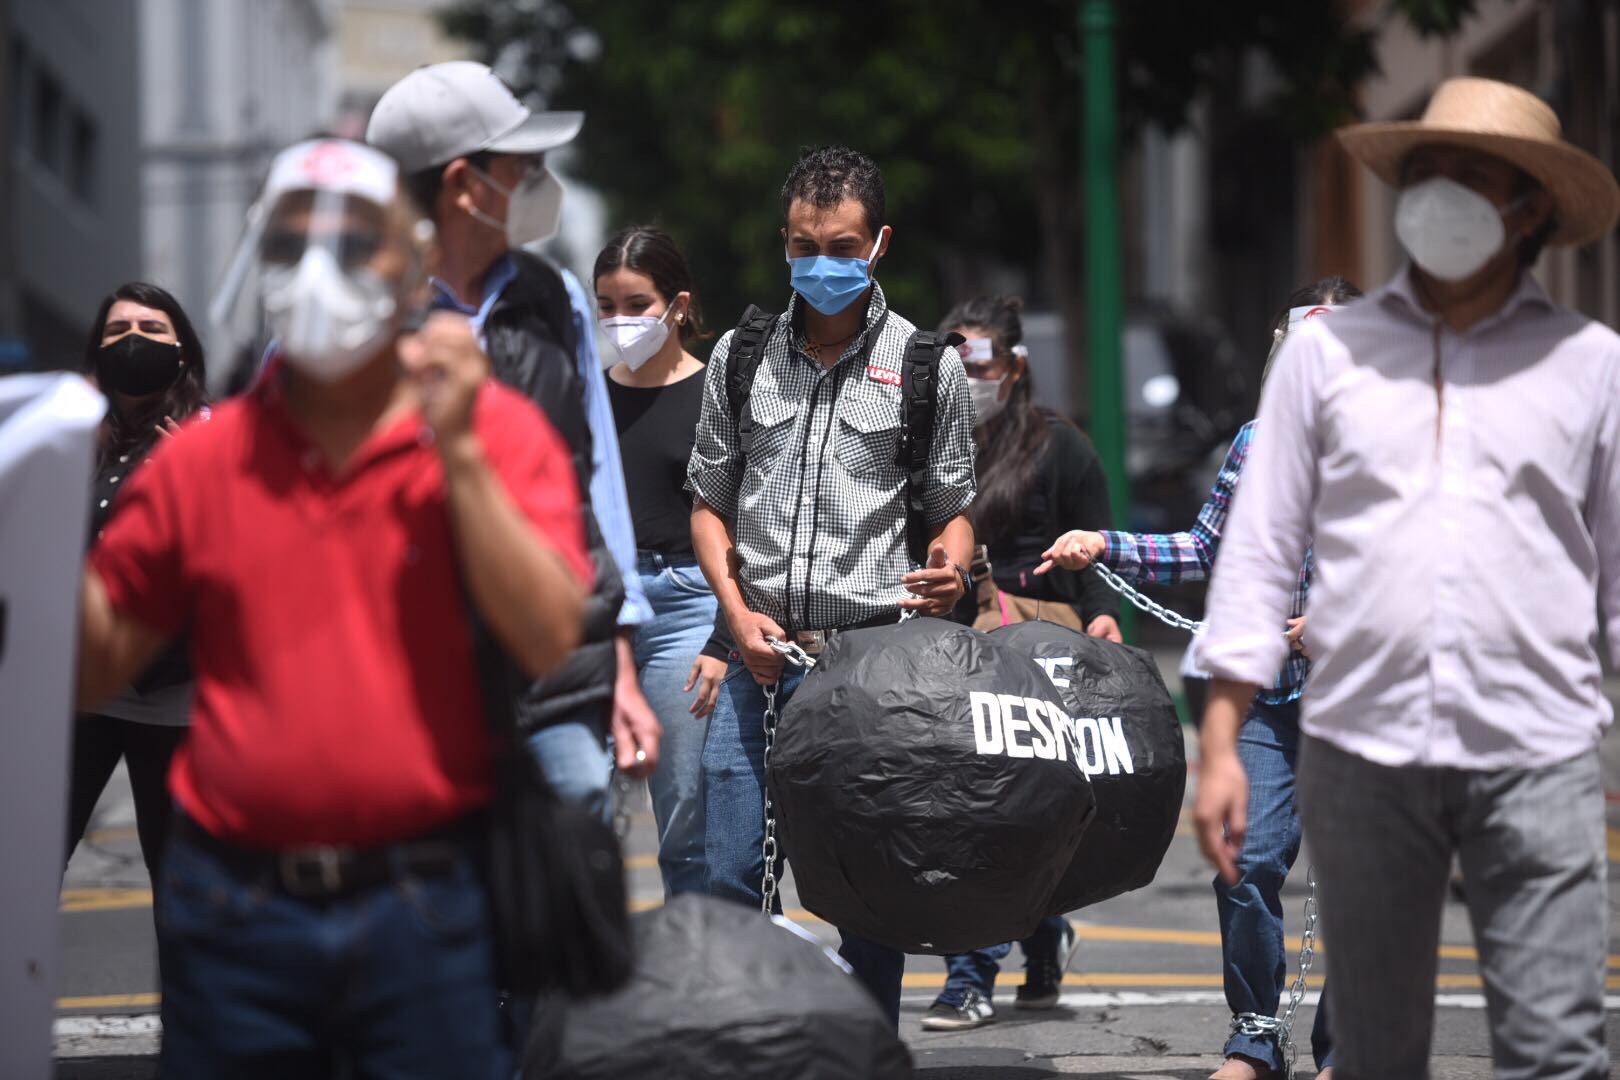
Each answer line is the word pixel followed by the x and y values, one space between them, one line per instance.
pixel 330 265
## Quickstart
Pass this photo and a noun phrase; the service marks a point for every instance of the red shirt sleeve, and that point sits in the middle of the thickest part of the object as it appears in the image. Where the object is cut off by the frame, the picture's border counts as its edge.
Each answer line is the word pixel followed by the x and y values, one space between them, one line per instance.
pixel 139 555
pixel 534 464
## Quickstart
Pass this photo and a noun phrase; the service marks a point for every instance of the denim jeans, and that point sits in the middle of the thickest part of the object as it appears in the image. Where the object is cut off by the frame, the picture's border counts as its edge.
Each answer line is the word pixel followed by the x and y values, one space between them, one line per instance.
pixel 683 616
pixel 1254 958
pixel 393 981
pixel 576 762
pixel 733 807
pixel 977 970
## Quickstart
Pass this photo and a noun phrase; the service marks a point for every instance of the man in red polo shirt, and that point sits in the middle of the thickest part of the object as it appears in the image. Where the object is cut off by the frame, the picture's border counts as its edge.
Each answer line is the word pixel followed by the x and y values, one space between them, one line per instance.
pixel 320 907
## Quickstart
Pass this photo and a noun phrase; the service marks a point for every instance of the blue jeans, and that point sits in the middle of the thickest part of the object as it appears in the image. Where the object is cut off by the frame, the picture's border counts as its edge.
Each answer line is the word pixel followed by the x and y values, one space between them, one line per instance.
pixel 977 970
pixel 683 616
pixel 733 806
pixel 576 762
pixel 393 981
pixel 1254 958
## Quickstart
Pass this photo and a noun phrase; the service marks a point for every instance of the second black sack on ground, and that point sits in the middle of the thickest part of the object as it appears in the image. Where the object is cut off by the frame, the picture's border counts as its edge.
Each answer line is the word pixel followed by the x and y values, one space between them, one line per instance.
pixel 1130 744
pixel 927 794
pixel 719 992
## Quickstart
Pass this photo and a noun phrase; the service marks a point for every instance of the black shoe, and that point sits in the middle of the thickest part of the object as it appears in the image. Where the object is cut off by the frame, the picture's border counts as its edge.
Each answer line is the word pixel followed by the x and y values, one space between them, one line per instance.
pixel 1043 975
pixel 975 1011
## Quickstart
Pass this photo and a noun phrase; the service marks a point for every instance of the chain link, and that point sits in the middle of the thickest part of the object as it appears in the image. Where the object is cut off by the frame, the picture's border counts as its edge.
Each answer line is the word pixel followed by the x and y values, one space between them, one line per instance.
pixel 767 887
pixel 621 806
pixel 1256 1025
pixel 1307 955
pixel 792 653
pixel 1143 603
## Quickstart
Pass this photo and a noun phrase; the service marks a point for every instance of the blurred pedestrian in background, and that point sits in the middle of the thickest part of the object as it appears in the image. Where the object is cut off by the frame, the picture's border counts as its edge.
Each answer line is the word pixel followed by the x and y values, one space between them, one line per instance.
pixel 1037 473
pixel 321 908
pixel 475 160
pixel 1254 956
pixel 649 312
pixel 1451 446
pixel 147 360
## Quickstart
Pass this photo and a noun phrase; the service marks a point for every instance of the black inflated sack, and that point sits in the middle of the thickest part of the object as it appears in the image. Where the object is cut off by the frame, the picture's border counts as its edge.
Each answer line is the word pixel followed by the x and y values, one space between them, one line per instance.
pixel 1132 750
pixel 720 992
pixel 927 791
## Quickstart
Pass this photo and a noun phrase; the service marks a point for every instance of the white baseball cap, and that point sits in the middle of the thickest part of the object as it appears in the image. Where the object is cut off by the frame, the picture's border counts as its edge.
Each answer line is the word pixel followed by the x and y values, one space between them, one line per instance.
pixel 444 111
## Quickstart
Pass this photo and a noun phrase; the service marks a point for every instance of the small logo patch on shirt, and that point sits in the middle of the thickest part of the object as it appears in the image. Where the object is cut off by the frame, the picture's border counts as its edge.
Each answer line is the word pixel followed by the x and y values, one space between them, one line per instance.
pixel 883 375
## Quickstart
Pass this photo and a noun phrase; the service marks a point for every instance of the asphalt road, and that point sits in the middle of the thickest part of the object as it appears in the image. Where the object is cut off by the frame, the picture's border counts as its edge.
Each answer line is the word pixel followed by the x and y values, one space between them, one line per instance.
pixel 1142 997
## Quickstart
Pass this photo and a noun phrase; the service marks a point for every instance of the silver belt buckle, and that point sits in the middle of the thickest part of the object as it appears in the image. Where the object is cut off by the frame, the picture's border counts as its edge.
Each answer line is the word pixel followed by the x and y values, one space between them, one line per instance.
pixel 813 641
pixel 312 871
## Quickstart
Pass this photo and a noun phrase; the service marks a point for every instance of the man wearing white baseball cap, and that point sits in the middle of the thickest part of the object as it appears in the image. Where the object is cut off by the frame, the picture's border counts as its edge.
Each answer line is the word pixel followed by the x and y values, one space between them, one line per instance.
pixel 1452 444
pixel 474 157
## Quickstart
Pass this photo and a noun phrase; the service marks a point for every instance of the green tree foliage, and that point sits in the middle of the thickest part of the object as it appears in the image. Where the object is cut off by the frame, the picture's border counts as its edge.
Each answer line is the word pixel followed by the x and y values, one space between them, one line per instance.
pixel 696 111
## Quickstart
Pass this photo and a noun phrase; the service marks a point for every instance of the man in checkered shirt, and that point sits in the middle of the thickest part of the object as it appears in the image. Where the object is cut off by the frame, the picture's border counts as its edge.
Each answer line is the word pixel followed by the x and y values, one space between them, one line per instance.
pixel 803 530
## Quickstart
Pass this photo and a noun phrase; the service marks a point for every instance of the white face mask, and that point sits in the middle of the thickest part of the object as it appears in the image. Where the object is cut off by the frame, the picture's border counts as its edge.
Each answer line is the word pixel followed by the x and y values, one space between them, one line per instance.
pixel 1449 230
pixel 637 338
pixel 986 395
pixel 328 323
pixel 533 208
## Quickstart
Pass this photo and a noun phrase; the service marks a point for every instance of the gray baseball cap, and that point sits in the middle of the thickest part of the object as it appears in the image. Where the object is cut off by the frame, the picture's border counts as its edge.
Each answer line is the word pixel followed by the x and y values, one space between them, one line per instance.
pixel 444 111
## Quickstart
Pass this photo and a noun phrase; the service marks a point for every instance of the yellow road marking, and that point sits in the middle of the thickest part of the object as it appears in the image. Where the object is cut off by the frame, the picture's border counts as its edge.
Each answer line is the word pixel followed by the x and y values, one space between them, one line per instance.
pixel 109 1001
pixel 113 835
pixel 1614 844
pixel 75 900
pixel 641 862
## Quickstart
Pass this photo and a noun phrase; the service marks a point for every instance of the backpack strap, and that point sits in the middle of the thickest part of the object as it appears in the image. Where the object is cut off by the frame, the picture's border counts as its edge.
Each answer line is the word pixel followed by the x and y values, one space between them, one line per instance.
pixel 919 397
pixel 742 364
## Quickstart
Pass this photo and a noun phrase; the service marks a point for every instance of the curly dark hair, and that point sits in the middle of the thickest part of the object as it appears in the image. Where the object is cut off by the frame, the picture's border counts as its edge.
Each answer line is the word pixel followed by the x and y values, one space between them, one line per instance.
pixel 133 435
pixel 825 176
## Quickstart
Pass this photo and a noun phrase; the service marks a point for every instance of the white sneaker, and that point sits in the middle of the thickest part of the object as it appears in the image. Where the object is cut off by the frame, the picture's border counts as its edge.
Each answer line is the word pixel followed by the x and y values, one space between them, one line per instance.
pixel 975 1011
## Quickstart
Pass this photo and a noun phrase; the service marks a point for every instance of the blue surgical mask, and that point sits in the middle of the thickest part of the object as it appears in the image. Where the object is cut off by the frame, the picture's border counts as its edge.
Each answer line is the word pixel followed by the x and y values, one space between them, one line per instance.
pixel 828 284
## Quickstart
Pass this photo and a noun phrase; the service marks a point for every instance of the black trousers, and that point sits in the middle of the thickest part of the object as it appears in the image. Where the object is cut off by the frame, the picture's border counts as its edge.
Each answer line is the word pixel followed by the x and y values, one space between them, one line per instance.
pixel 98 743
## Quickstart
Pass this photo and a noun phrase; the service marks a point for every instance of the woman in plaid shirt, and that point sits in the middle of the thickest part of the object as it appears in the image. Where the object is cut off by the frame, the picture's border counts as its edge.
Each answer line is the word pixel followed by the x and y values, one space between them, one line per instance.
pixel 1254 959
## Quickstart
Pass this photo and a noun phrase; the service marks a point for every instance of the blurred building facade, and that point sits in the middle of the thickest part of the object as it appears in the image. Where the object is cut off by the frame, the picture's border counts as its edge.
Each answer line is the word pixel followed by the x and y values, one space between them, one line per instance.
pixel 381 41
pixel 70 217
pixel 225 84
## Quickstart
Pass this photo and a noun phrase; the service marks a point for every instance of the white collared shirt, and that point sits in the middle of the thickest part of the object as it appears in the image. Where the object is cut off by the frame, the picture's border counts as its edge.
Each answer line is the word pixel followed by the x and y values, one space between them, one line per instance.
pixel 1464 539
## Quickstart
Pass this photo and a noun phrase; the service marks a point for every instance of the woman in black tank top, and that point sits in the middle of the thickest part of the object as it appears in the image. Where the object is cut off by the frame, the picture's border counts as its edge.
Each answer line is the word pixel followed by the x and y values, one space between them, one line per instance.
pixel 649 314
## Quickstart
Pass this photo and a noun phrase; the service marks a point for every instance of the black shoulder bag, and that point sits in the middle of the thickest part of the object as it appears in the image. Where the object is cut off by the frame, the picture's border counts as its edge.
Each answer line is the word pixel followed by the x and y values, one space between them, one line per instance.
pixel 555 874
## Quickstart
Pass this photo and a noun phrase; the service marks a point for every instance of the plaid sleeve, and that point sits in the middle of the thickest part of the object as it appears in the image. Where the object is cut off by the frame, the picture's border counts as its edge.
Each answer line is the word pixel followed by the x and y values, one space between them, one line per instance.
pixel 1174 558
pixel 714 472
pixel 951 480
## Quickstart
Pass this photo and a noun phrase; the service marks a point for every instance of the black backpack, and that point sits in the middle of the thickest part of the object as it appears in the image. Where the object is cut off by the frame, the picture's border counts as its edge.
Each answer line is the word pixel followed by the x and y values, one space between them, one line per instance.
pixel 919 388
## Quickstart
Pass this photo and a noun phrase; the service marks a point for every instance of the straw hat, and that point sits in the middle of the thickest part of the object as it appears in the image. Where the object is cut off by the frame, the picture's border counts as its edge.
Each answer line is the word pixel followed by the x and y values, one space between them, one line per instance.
pixel 1506 122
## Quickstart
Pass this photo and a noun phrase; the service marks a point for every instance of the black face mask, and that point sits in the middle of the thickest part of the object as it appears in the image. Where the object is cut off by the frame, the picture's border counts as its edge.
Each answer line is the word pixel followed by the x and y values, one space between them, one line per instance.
pixel 137 365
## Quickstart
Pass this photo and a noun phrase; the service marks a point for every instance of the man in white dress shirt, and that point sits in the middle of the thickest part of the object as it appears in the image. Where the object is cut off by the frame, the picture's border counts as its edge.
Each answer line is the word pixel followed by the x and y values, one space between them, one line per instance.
pixel 1452 444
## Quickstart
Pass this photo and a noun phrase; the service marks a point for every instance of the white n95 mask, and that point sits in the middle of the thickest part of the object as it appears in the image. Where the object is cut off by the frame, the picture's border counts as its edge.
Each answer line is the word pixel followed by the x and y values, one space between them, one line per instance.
pixel 533 208
pixel 636 338
pixel 1449 230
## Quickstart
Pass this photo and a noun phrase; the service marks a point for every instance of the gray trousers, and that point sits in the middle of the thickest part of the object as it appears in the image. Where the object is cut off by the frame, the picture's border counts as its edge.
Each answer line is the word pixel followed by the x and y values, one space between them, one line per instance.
pixel 1531 846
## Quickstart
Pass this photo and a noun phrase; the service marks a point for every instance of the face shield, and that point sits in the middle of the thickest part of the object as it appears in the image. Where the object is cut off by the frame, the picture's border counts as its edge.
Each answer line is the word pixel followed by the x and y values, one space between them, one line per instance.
pixel 328 264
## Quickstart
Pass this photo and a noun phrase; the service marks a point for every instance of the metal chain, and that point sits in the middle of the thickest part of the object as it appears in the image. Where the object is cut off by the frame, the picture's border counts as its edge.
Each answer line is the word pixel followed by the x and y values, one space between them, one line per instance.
pixel 792 653
pixel 767 887
pixel 1143 603
pixel 621 805
pixel 1282 1028
pixel 1307 955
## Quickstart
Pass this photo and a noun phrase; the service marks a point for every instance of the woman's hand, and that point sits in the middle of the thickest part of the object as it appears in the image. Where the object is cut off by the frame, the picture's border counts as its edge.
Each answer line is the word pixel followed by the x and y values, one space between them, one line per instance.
pixel 1106 627
pixel 168 429
pixel 1296 637
pixel 707 674
pixel 1074 550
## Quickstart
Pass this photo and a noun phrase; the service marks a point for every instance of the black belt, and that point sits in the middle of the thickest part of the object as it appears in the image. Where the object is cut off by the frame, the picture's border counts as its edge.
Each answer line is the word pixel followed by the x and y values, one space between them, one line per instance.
pixel 814 641
pixel 311 871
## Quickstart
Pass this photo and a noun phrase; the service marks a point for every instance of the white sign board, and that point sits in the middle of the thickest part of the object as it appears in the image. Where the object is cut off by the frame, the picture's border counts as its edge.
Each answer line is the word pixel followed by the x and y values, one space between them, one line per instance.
pixel 47 440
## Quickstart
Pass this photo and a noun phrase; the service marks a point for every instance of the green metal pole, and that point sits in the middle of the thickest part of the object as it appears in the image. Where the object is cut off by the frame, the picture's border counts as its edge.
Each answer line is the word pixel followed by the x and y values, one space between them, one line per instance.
pixel 1099 155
